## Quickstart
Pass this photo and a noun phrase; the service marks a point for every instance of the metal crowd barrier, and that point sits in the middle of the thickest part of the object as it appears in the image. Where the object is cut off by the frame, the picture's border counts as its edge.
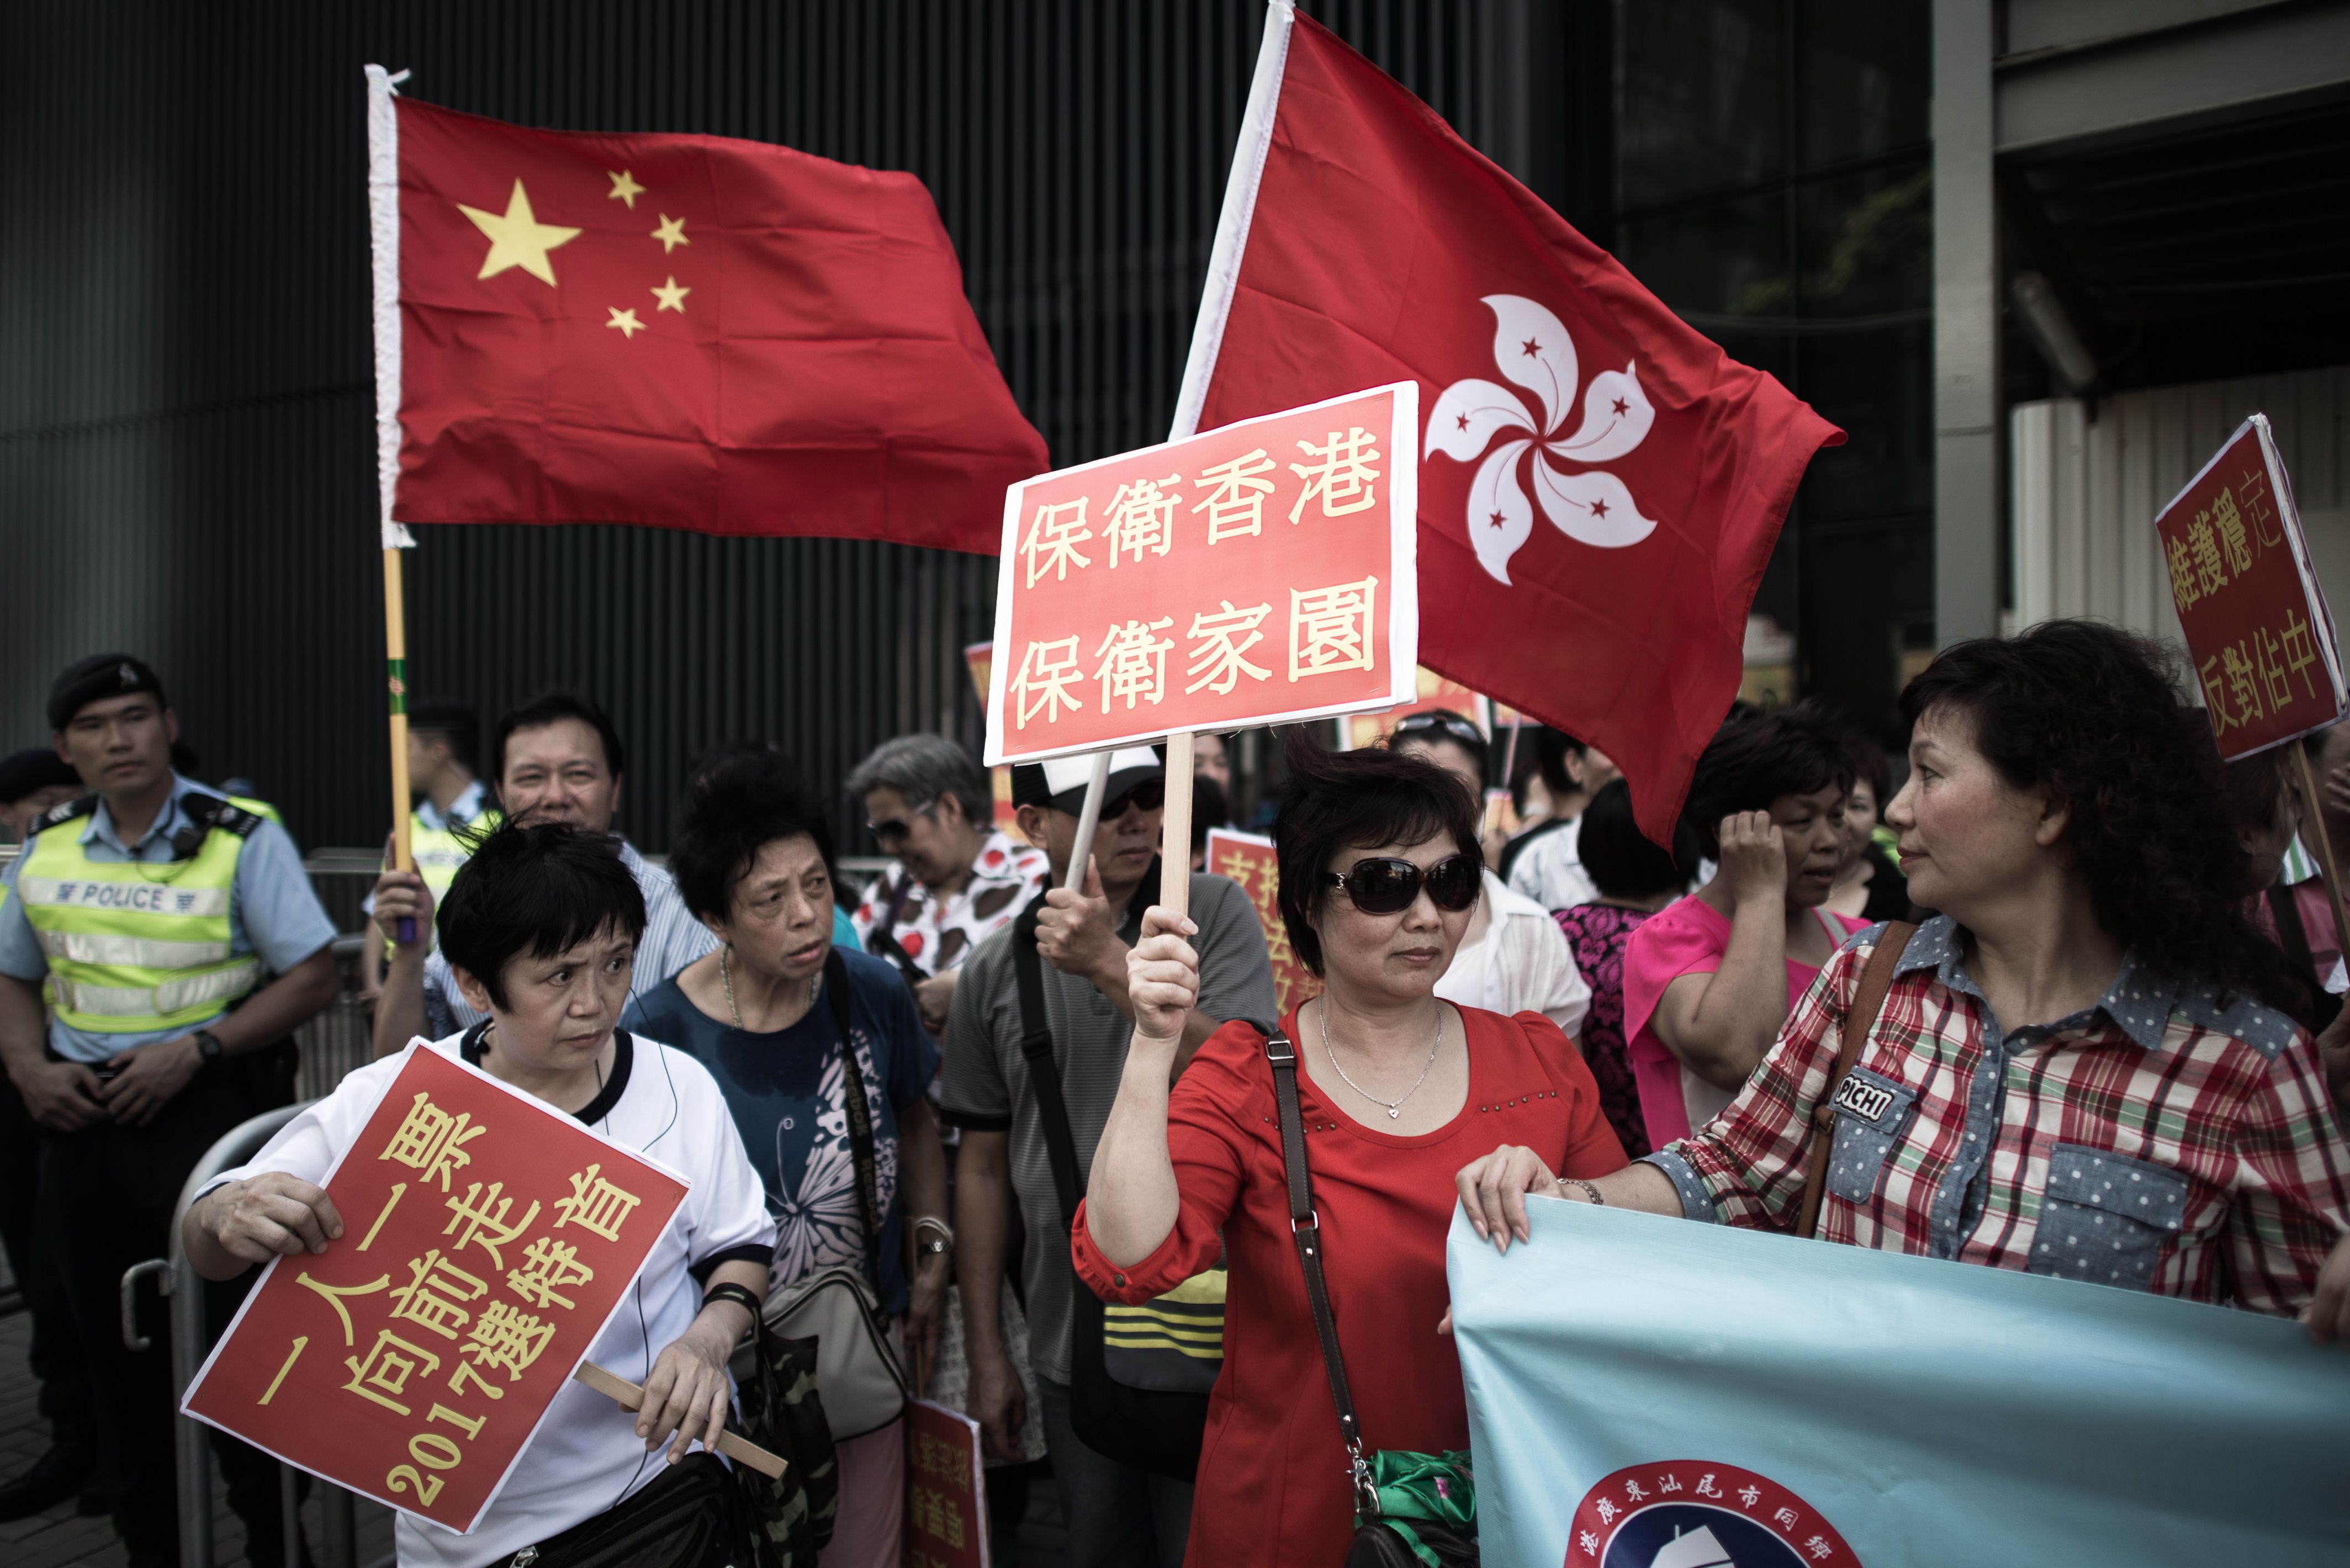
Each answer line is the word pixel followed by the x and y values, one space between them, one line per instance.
pixel 178 1282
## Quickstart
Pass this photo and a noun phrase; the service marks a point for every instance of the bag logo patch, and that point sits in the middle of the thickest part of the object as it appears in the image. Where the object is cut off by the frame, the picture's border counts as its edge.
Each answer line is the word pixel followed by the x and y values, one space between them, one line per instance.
pixel 1864 1099
pixel 1694 1513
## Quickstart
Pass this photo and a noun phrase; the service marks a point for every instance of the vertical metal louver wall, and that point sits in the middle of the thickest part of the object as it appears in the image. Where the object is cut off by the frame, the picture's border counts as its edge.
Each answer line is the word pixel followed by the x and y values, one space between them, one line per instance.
pixel 185 442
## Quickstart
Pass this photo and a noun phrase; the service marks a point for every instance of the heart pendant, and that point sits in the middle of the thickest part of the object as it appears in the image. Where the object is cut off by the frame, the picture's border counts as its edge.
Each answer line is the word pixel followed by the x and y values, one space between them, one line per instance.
pixel 1393 1111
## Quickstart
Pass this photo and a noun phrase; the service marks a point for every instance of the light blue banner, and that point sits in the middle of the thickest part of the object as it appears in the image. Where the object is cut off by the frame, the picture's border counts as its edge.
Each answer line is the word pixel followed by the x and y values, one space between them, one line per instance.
pixel 1652 1393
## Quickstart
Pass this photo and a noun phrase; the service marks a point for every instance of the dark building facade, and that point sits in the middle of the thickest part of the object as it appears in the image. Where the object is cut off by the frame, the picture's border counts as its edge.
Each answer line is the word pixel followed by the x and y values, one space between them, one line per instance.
pixel 185 403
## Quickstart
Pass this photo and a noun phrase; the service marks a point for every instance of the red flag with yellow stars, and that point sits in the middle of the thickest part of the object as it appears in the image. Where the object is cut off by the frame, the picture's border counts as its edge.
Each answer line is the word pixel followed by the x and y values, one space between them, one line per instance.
pixel 679 331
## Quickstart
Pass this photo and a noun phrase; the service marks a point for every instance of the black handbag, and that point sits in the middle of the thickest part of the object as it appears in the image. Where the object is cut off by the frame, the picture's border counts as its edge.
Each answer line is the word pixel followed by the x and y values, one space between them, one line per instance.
pixel 1157 1428
pixel 1411 1511
pixel 689 1517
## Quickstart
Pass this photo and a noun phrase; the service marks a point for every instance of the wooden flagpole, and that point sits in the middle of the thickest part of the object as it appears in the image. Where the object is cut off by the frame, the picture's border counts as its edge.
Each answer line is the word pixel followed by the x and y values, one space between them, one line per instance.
pixel 395 659
pixel 2313 817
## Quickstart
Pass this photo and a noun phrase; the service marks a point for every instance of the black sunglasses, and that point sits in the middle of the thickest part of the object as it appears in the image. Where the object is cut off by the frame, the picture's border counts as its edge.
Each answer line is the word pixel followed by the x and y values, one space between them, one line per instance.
pixel 1387 884
pixel 1147 796
pixel 895 827
pixel 1461 729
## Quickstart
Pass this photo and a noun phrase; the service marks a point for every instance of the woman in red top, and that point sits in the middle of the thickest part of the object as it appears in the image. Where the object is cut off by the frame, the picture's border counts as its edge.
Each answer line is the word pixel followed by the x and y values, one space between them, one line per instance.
pixel 1380 870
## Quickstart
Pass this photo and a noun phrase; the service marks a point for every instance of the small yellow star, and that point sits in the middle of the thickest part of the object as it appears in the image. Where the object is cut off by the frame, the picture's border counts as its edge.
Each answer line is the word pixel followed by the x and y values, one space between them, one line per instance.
pixel 671 234
pixel 626 320
pixel 671 297
pixel 625 189
pixel 517 238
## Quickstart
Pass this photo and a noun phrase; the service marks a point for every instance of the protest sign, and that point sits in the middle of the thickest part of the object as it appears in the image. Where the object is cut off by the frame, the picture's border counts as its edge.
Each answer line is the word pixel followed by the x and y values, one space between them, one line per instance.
pixel 2258 629
pixel 946 1494
pixel 1434 690
pixel 1645 1390
pixel 1248 859
pixel 487 1240
pixel 1260 574
pixel 980 659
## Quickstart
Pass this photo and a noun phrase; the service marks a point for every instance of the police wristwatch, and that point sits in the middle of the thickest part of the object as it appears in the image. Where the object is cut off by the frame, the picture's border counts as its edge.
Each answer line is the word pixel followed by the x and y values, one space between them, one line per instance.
pixel 939 1240
pixel 208 1044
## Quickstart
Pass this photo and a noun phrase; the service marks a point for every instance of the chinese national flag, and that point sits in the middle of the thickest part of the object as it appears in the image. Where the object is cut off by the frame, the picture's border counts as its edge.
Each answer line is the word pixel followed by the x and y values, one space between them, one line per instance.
pixel 680 332
pixel 1600 486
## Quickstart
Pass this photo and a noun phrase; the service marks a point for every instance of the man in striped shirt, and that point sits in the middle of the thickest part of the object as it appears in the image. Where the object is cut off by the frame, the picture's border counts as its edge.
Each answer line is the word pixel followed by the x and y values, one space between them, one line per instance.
pixel 556 758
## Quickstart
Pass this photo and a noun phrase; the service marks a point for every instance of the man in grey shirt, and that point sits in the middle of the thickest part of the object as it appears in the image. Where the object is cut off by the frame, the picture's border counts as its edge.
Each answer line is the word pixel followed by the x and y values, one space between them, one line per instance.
pixel 1116 1514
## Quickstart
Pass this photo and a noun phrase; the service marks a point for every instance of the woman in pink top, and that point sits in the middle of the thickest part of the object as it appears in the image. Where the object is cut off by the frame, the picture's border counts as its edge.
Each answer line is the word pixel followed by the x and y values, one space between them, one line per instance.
pixel 1709 981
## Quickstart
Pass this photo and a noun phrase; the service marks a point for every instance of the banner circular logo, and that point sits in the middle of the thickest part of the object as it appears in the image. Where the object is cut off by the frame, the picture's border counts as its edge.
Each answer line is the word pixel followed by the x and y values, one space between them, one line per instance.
pixel 1695 1513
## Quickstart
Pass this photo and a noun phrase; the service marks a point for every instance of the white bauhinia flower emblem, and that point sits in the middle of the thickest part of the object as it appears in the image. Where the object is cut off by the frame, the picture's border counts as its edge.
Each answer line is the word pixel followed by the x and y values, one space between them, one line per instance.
pixel 1532 349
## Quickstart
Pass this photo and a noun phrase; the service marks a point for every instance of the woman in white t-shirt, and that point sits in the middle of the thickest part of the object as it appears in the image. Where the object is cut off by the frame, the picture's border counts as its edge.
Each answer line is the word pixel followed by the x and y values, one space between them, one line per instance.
pixel 1513 957
pixel 540 929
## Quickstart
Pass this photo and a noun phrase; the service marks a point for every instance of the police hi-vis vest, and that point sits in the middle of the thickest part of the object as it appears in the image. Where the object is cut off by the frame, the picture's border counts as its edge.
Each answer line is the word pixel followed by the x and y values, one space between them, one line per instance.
pixel 139 946
pixel 439 851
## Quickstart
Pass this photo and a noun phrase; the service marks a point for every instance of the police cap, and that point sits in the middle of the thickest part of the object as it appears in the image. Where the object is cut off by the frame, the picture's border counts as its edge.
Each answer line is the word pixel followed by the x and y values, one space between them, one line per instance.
pixel 101 676
pixel 37 767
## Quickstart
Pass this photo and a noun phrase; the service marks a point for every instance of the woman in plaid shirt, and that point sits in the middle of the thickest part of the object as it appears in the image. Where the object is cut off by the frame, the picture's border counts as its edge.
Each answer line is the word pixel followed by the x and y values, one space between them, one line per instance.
pixel 2090 1064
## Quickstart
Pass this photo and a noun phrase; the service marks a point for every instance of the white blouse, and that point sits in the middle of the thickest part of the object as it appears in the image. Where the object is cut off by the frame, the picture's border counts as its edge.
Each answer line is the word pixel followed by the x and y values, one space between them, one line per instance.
pixel 1522 963
pixel 586 1456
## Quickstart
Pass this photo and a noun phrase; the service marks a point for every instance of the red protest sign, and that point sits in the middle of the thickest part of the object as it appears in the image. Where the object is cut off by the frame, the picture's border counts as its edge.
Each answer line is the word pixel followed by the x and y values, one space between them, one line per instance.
pixel 1260 574
pixel 487 1240
pixel 2257 624
pixel 946 1492
pixel 1248 859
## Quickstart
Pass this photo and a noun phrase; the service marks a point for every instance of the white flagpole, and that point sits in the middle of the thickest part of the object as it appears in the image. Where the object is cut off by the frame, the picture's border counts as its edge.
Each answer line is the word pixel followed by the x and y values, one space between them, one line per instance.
pixel 383 232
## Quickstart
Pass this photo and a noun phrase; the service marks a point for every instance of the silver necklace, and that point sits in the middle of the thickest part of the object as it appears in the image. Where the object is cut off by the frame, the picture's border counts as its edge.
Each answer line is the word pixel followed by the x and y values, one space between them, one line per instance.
pixel 726 979
pixel 1394 1107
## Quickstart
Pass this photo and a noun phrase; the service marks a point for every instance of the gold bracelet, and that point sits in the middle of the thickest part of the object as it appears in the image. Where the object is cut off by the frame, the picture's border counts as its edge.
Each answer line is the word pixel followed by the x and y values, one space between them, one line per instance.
pixel 1589 1192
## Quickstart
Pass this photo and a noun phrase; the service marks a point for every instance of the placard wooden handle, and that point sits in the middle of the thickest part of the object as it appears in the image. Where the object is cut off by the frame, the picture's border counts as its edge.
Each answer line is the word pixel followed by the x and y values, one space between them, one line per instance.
pixel 629 1396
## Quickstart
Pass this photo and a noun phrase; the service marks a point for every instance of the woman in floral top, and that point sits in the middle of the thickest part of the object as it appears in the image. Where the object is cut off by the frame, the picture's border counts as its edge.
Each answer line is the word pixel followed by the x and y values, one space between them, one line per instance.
pixel 957 879
pixel 1635 880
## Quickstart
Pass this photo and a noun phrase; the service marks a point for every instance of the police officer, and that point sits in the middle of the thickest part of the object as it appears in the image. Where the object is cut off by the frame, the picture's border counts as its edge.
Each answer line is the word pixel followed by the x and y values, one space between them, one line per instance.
pixel 444 738
pixel 158 911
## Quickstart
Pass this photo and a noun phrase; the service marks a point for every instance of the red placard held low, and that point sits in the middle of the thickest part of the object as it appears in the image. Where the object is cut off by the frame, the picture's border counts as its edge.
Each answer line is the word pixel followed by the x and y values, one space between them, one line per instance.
pixel 487 1238
pixel 946 1491
pixel 1249 860
pixel 1261 573
pixel 2257 624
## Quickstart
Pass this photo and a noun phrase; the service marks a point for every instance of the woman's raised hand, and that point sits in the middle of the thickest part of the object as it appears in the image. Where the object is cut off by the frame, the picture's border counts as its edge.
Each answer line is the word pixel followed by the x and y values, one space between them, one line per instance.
pixel 1162 976
pixel 1494 1192
pixel 1753 858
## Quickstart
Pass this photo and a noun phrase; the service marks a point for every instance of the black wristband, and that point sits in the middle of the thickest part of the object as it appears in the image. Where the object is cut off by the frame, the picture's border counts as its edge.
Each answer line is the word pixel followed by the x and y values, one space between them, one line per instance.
pixel 740 1295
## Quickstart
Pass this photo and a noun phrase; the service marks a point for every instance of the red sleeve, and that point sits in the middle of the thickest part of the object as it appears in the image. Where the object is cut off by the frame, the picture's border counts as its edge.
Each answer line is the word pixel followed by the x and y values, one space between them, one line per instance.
pixel 1205 1139
pixel 1592 1145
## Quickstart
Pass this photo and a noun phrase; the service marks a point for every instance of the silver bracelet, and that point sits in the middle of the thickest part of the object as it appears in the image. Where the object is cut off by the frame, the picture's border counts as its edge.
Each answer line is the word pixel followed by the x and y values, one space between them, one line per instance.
pixel 1588 1191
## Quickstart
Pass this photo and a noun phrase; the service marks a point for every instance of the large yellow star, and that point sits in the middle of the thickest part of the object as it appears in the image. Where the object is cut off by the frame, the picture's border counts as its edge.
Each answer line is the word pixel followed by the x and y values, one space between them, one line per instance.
pixel 671 297
pixel 671 234
pixel 625 189
pixel 519 238
pixel 626 320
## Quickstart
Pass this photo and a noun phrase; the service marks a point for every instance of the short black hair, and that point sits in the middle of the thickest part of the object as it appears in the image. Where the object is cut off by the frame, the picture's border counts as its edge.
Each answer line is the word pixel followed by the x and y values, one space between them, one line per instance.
pixel 1619 859
pixel 1552 748
pixel 552 707
pixel 1870 766
pixel 1752 761
pixel 1337 801
pixel 1438 726
pixel 454 722
pixel 536 889
pixel 741 798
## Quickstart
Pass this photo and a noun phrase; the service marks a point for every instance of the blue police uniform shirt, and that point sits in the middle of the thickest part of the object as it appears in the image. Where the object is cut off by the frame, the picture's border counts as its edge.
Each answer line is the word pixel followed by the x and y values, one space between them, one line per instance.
pixel 272 910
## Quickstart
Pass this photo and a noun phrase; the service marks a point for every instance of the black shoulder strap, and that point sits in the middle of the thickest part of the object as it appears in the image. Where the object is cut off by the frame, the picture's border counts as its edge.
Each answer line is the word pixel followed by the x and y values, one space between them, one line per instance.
pixel 882 943
pixel 1518 846
pixel 62 813
pixel 860 1114
pixel 1305 1229
pixel 207 812
pixel 1044 1073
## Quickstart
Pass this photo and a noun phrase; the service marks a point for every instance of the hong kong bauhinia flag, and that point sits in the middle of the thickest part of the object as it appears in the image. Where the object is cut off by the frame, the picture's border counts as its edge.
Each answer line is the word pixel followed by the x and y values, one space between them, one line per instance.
pixel 682 331
pixel 1601 486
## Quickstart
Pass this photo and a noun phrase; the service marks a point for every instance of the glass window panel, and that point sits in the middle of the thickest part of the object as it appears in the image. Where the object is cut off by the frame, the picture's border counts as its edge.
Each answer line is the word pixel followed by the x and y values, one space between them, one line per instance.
pixel 1722 260
pixel 1703 105
pixel 1864 586
pixel 1865 74
pixel 1866 242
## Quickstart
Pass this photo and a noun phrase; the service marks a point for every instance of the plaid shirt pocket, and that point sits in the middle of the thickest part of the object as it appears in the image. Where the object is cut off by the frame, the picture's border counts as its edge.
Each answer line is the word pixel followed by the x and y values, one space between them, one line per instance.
pixel 2105 1216
pixel 1872 1111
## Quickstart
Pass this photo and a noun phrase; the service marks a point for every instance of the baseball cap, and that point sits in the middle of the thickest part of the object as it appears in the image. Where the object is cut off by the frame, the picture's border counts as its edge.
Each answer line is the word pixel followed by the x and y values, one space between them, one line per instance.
pixel 1061 782
pixel 99 676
